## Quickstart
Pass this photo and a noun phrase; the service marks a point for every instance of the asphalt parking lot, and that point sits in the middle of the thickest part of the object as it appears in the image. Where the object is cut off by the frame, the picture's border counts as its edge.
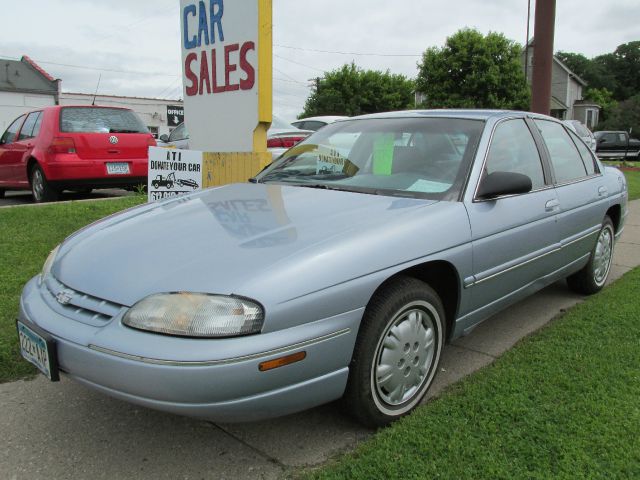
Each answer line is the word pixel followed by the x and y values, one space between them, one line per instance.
pixel 23 197
pixel 65 431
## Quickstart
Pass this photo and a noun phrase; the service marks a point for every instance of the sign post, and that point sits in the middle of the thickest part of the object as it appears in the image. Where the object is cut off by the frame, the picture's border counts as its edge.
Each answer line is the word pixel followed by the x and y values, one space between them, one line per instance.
pixel 227 81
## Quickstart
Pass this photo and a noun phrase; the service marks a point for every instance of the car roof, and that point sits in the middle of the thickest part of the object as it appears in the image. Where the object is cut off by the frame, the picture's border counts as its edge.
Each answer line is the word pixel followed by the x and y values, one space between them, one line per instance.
pixel 473 114
pixel 322 118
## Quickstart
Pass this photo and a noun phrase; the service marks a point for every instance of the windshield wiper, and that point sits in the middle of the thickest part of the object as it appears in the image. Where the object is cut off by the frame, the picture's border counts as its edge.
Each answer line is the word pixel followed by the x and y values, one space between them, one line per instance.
pixel 123 130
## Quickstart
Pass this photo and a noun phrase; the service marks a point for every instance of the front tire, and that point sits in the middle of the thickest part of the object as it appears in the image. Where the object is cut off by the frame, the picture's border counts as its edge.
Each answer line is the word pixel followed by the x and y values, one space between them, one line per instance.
pixel 41 190
pixel 593 276
pixel 397 352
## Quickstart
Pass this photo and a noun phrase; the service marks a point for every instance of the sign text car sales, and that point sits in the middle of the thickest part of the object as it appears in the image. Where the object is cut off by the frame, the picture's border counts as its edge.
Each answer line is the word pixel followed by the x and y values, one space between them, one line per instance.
pixel 220 68
pixel 221 72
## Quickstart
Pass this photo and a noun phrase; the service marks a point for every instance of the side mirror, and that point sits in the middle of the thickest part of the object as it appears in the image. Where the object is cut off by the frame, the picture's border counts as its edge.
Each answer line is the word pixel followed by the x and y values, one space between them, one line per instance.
pixel 497 184
pixel 602 140
pixel 164 138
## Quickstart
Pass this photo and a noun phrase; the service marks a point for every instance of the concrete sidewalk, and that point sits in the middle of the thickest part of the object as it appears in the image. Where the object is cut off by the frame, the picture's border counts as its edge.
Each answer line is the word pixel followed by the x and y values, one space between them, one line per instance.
pixel 65 431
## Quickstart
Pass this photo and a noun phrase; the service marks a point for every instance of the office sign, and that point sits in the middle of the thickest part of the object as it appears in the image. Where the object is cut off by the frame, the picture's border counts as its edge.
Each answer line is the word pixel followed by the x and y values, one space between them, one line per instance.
pixel 175 115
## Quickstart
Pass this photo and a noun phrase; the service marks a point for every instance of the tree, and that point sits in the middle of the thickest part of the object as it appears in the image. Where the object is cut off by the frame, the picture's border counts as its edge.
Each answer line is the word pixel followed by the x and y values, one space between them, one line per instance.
pixel 596 72
pixel 618 72
pixel 625 116
pixel 626 68
pixel 604 98
pixel 474 71
pixel 350 90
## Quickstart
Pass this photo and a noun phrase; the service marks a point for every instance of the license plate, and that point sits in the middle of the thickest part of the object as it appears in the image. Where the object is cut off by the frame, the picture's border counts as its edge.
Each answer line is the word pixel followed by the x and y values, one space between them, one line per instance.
pixel 117 168
pixel 38 349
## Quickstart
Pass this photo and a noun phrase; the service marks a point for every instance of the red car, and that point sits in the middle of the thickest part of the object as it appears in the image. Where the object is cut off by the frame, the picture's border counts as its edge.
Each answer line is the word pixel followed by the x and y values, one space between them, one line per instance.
pixel 74 148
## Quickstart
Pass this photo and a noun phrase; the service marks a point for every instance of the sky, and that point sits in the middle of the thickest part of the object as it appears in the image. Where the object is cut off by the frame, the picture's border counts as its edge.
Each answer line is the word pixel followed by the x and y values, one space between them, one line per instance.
pixel 134 45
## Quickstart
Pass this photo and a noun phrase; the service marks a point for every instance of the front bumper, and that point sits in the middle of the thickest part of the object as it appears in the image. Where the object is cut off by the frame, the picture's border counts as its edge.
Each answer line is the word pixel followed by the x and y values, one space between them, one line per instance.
pixel 204 385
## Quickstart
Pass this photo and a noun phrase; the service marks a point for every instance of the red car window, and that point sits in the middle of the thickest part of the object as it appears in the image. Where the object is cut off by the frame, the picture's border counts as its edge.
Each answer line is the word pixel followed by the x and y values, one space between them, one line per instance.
pixel 10 134
pixel 28 130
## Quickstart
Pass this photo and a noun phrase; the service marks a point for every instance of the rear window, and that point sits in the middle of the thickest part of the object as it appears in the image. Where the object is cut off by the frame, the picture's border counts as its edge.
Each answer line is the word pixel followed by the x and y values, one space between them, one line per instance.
pixel 100 120
pixel 581 130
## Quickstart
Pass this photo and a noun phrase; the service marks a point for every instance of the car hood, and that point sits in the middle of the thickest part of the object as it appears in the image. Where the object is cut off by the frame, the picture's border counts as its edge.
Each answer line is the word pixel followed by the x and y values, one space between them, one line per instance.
pixel 219 239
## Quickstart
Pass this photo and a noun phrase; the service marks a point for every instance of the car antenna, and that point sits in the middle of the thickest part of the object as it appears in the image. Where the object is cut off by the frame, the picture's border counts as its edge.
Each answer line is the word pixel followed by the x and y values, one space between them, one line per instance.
pixel 97 86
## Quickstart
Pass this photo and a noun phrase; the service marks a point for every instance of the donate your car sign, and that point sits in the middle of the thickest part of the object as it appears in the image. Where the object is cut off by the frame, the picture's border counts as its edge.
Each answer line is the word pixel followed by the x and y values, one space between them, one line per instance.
pixel 173 172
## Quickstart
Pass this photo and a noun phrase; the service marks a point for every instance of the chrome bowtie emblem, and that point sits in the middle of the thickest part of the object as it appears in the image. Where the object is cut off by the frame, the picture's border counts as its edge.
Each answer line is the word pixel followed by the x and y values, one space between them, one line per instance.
pixel 113 139
pixel 64 296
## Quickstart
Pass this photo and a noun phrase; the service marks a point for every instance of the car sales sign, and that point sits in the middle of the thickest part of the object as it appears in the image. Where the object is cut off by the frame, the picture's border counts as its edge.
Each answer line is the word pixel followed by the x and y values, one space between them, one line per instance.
pixel 227 78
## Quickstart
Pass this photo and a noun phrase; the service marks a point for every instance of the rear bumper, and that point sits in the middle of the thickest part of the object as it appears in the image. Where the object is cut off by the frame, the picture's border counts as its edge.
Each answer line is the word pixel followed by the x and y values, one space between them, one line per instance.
pixel 69 168
pixel 114 181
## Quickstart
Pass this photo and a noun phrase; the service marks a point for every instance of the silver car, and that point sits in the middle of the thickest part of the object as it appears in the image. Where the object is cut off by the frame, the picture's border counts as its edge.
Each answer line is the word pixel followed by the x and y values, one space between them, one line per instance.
pixel 583 132
pixel 280 137
pixel 339 272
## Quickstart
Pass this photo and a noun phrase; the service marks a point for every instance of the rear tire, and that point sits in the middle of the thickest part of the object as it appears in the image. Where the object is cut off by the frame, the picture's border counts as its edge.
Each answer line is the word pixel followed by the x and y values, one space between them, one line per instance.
pixel 2 192
pixel 396 353
pixel 593 276
pixel 41 190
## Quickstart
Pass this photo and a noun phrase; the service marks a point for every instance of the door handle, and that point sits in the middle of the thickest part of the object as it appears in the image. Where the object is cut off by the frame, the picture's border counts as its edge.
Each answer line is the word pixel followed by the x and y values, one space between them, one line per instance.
pixel 551 205
pixel 602 191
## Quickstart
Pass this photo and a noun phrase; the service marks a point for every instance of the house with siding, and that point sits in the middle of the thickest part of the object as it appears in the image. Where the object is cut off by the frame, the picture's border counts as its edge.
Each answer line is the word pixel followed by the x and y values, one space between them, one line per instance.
pixel 24 86
pixel 567 102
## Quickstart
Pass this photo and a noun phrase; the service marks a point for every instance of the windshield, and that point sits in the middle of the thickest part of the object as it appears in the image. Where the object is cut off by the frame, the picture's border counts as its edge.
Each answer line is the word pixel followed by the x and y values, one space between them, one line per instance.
pixel 100 120
pixel 415 157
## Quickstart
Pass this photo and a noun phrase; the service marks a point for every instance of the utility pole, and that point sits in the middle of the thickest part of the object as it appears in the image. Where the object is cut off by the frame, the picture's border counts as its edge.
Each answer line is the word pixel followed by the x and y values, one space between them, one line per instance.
pixel 542 56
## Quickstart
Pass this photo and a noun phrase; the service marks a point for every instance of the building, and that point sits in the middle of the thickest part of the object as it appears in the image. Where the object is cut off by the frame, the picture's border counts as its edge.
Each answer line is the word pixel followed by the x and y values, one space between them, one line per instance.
pixel 566 92
pixel 24 86
pixel 159 115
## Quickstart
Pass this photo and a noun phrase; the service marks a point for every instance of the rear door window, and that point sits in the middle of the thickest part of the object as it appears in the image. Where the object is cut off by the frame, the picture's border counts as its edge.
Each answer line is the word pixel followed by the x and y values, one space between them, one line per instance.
pixel 10 134
pixel 100 120
pixel 27 130
pixel 585 153
pixel 566 161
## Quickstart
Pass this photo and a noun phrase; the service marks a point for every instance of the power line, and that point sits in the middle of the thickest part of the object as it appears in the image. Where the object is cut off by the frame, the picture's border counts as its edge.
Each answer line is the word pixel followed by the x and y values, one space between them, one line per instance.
pixel 349 53
pixel 84 67
pixel 170 87
pixel 280 92
pixel 289 76
pixel 298 63
pixel 297 82
pixel 138 22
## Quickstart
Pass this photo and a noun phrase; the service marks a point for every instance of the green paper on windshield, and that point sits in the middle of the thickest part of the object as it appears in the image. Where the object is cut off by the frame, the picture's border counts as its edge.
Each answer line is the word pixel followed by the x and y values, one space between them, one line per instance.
pixel 383 154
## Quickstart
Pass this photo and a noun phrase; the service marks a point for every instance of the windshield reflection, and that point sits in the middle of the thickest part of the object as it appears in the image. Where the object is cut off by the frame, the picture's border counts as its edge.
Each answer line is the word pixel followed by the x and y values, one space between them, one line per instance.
pixel 416 157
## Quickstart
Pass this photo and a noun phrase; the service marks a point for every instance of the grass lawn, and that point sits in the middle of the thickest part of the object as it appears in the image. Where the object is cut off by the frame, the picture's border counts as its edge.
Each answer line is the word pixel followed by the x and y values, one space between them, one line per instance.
pixel 633 184
pixel 564 403
pixel 27 236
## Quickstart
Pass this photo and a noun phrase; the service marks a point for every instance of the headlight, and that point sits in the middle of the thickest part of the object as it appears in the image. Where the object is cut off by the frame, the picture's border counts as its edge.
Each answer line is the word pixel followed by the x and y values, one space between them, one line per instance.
pixel 196 315
pixel 46 268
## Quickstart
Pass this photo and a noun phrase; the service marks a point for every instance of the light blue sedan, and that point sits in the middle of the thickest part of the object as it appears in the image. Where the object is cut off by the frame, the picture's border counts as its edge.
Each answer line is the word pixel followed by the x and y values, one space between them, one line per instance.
pixel 340 271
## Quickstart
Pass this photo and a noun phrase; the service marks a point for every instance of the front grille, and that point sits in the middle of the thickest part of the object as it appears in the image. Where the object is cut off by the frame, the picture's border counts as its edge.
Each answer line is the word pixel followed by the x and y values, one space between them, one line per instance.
pixel 78 305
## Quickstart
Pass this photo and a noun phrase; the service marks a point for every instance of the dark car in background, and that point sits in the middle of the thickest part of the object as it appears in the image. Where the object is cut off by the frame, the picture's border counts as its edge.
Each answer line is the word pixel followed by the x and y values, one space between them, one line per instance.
pixel 74 148
pixel 617 144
